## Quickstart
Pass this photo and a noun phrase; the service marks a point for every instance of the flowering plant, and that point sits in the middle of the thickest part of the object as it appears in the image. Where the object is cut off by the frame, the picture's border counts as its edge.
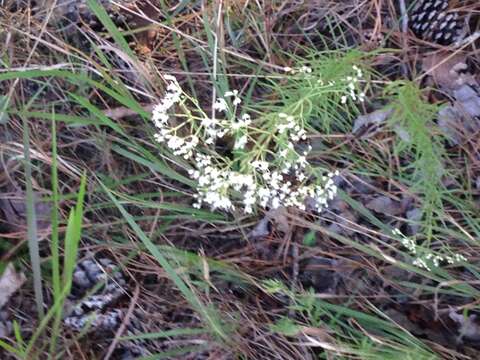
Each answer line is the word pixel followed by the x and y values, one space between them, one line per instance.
pixel 269 168
pixel 425 258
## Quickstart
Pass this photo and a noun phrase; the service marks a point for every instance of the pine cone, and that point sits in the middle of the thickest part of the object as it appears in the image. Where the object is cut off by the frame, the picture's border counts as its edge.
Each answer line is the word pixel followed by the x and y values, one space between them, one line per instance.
pixel 437 21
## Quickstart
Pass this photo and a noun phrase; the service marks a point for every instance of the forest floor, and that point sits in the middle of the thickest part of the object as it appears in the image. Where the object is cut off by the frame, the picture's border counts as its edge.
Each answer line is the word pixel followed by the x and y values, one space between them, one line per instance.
pixel 236 179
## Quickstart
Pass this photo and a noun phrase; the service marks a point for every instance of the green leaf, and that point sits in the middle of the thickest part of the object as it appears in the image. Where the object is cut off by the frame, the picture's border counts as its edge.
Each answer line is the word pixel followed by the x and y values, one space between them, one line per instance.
pixel 102 15
pixel 285 327
pixel 310 238
pixel 4 102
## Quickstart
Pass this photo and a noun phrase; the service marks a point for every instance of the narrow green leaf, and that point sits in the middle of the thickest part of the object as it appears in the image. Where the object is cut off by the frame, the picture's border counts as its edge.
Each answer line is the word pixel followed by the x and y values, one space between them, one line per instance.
pixel 102 15
pixel 32 223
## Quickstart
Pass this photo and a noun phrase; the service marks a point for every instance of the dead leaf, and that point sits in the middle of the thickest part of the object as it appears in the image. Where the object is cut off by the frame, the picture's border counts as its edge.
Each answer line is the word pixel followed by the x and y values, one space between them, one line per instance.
pixel 122 112
pixel 461 118
pixel 279 218
pixel 469 327
pixel 262 229
pixel 344 223
pixel 446 70
pixel 5 325
pixel 403 321
pixel 10 281
pixel 385 205
pixel 449 123
pixel 14 209
pixel 374 118
pixel 402 133
pixel 415 216
pixel 320 274
pixel 467 100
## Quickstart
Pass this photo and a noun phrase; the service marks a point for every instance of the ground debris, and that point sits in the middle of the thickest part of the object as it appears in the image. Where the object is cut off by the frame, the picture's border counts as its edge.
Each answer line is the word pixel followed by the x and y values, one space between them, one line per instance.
pixel 461 118
pixel 318 273
pixel 469 326
pixel 377 117
pixel 385 205
pixel 10 282
pixel 14 209
pixel 276 218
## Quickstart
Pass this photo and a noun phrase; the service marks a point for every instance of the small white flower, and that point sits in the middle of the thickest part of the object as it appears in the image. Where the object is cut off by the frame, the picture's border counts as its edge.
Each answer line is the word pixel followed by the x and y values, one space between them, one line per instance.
pixel 302 161
pixel 231 93
pixel 220 105
pixel 301 176
pixel 261 165
pixel 209 122
pixel 281 128
pixel 169 77
pixel 242 123
pixel 246 118
pixel 175 142
pixel 241 142
pixel 236 100
pixel 275 202
pixel 305 69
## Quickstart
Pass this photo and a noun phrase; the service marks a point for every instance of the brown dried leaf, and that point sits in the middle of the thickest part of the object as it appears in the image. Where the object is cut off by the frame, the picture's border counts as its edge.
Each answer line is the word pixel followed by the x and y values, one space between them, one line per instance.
pixel 320 274
pixel 10 281
pixel 446 69
pixel 385 205
pixel 374 118
pixel 278 218
pixel 460 119
pixel 14 209
pixel 260 230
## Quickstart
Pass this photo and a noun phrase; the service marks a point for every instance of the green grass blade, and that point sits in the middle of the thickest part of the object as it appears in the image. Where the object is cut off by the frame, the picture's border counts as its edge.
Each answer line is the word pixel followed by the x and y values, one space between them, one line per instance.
pixel 32 223
pixel 11 349
pixel 55 245
pixel 102 15
pixel 43 324
pixel 72 236
pixel 209 316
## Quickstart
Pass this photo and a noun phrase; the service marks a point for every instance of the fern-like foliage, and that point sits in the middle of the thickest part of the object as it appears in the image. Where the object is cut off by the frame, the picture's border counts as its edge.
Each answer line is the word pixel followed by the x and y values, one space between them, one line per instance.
pixel 419 146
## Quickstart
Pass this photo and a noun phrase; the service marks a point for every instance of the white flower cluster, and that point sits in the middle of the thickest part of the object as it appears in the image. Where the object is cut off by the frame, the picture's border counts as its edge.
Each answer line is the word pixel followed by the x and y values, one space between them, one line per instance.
pixel 426 259
pixel 215 187
pixel 302 70
pixel 221 103
pixel 407 242
pixel 263 178
pixel 213 184
pixel 288 124
pixel 160 115
pixel 281 192
pixel 352 84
